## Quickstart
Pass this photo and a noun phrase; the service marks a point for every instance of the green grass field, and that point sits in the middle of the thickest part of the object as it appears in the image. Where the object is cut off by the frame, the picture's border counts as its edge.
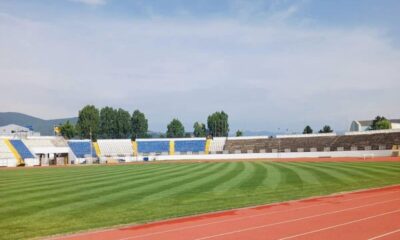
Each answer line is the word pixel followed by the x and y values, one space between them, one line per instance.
pixel 47 201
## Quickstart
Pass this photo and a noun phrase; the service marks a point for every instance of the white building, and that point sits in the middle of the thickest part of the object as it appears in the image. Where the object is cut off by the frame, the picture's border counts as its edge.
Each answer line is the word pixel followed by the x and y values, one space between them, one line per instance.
pixel 360 126
pixel 16 130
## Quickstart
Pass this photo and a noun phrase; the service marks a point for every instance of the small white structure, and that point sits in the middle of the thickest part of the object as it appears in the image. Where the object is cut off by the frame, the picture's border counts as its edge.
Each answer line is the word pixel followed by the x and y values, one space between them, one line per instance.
pixel 363 125
pixel 17 131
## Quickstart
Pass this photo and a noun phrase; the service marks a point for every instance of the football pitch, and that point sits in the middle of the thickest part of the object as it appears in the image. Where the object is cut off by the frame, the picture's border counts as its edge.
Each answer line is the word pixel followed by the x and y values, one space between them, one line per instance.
pixel 47 201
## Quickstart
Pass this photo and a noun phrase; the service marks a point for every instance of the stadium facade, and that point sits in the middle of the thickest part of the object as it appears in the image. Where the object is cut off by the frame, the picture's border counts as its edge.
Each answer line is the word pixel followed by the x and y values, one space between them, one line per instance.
pixel 53 150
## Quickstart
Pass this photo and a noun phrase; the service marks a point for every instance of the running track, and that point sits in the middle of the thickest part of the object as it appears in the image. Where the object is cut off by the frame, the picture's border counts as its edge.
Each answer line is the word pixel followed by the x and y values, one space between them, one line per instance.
pixel 371 214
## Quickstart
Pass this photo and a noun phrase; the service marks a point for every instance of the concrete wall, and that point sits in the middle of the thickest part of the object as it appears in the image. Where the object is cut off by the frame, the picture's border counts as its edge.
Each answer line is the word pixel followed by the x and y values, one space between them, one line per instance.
pixel 30 162
pixel 8 162
pixel 376 153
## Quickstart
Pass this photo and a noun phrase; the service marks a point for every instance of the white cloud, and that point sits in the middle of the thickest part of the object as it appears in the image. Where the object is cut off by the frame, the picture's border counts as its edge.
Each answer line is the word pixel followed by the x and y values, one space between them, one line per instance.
pixel 266 75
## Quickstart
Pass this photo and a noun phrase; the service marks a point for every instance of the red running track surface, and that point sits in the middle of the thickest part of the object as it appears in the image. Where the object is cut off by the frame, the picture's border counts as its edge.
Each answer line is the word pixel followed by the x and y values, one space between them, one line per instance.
pixel 370 214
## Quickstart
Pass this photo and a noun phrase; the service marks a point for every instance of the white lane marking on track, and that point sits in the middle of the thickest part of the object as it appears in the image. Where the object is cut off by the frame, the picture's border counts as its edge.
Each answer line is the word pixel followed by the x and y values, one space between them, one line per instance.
pixel 295 220
pixel 384 235
pixel 248 217
pixel 339 225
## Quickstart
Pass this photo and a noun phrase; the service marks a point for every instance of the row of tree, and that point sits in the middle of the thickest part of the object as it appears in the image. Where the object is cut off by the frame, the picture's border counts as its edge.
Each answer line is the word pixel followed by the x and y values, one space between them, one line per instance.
pixel 325 129
pixel 119 123
pixel 378 123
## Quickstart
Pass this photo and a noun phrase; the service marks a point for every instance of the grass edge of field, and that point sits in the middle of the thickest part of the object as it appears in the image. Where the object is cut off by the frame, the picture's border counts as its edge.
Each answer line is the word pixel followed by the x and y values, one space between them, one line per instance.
pixel 93 230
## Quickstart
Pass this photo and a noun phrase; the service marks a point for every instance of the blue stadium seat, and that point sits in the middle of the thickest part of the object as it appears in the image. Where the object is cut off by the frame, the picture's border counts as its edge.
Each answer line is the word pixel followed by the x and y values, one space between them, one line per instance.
pixel 22 149
pixel 190 145
pixel 153 146
pixel 81 148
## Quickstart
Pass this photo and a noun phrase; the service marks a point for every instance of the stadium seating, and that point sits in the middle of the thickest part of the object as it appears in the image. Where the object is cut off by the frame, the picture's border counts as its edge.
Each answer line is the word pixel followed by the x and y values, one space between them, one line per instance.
pixel 379 141
pixel 81 149
pixel 217 144
pixel 38 142
pixel 190 145
pixel 115 147
pixel 22 149
pixel 5 152
pixel 153 146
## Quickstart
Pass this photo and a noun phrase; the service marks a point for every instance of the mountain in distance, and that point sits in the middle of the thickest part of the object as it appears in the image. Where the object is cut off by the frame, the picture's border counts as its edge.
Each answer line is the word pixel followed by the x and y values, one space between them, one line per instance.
pixel 45 127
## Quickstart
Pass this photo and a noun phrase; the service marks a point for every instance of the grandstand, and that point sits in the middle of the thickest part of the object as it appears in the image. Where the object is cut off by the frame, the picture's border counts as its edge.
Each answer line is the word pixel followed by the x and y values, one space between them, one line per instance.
pixel 7 158
pixel 82 150
pixel 153 146
pixel 189 146
pixel 21 148
pixel 23 153
pixel 217 145
pixel 115 150
pixel 57 151
pixel 315 143
pixel 49 150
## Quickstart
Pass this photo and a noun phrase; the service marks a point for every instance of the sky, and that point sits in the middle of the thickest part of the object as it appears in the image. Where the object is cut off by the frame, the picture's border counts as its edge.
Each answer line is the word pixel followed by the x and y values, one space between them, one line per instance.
pixel 273 64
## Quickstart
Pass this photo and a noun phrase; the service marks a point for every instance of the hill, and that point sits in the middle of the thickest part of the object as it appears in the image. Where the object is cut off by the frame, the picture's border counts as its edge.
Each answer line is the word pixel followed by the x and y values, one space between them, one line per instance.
pixel 45 127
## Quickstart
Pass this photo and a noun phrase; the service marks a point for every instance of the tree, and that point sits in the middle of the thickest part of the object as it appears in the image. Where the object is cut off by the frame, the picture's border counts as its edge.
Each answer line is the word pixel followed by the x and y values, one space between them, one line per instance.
pixel 188 135
pixel 199 129
pixel 380 123
pixel 123 124
pixel 239 133
pixel 139 125
pixel 326 129
pixel 107 126
pixel 175 129
pixel 88 122
pixel 67 130
pixel 218 124
pixel 307 130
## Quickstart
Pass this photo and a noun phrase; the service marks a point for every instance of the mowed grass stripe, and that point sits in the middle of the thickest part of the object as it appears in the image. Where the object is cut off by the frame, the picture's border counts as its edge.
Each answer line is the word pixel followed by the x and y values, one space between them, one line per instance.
pixel 326 174
pixel 85 192
pixel 190 183
pixel 375 169
pixel 37 174
pixel 107 195
pixel 60 182
pixel 354 171
pixel 61 176
pixel 357 171
pixel 351 172
pixel 70 180
pixel 80 208
pixel 289 177
pixel 236 177
pixel 306 174
pixel 256 178
pixel 274 176
pixel 60 179
pixel 43 192
pixel 207 184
